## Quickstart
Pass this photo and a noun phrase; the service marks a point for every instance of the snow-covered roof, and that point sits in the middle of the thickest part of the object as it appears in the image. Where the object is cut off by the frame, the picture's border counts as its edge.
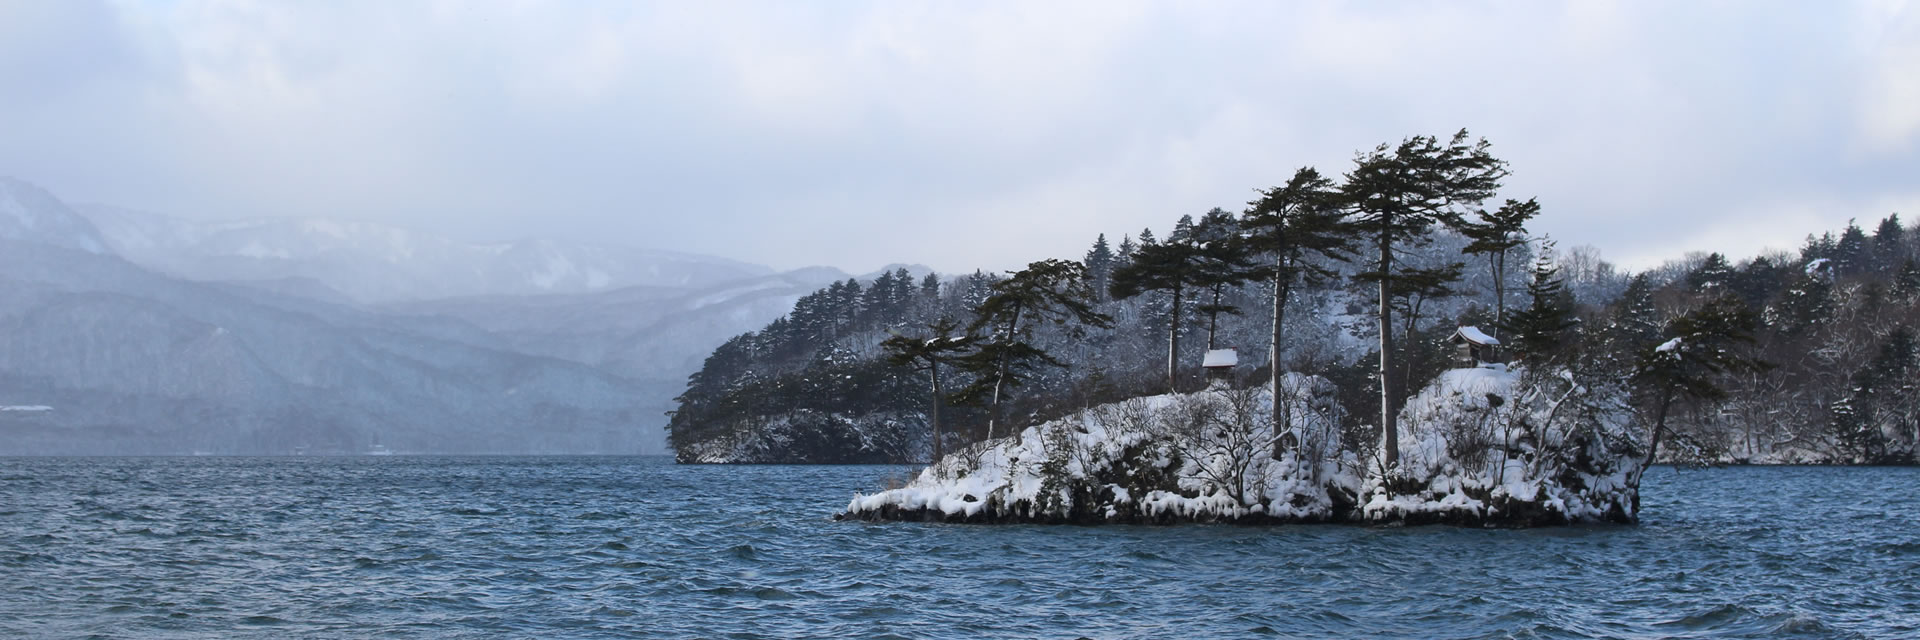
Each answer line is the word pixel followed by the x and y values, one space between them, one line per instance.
pixel 1221 358
pixel 1474 335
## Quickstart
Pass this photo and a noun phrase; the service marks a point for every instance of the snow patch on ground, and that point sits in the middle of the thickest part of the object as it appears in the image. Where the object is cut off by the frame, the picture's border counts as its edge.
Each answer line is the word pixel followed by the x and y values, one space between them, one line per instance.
pixel 1479 447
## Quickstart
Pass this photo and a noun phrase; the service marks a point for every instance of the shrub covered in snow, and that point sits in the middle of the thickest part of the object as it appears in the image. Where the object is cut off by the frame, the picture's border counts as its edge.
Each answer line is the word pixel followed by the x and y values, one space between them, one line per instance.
pixel 1489 446
pixel 1480 447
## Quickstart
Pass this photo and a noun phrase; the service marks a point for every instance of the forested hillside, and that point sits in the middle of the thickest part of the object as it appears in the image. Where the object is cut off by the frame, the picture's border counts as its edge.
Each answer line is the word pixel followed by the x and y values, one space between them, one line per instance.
pixel 1785 357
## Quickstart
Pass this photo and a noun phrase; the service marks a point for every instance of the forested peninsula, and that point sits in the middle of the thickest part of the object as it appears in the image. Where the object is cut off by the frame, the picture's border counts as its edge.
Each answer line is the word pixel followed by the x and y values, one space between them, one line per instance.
pixel 1387 344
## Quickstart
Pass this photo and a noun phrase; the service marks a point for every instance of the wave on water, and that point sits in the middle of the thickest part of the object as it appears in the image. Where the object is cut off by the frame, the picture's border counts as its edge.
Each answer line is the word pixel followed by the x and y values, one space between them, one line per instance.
pixel 625 547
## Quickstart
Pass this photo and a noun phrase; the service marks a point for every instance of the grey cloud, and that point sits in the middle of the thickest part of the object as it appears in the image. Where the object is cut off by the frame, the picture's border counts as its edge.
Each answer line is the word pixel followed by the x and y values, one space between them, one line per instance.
pixel 861 134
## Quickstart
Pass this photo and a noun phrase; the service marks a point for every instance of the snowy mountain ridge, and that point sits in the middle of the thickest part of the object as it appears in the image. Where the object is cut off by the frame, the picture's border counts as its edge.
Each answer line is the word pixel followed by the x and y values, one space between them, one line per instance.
pixel 28 213
pixel 152 334
pixel 373 262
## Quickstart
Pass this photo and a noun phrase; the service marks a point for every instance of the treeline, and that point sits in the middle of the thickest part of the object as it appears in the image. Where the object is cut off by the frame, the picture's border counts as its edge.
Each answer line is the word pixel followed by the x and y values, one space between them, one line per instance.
pixel 1781 357
pixel 1835 326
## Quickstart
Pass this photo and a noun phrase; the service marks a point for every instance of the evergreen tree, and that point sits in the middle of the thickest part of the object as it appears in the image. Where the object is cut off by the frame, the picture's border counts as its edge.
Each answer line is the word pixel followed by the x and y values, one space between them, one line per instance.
pixel 1099 263
pixel 1756 282
pixel 1397 194
pixel 1702 347
pixel 1046 291
pixel 1880 403
pixel 1633 326
pixel 1170 267
pixel 1542 330
pixel 1296 225
pixel 930 287
pixel 939 346
pixel 1713 275
pixel 1224 260
pixel 1818 248
pixel 1906 283
pixel 1889 242
pixel 1850 255
pixel 977 289
pixel 1494 235
pixel 1806 305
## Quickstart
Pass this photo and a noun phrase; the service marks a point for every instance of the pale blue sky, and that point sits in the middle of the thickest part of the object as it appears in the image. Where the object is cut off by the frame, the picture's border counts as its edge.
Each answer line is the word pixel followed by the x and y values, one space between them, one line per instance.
pixel 955 134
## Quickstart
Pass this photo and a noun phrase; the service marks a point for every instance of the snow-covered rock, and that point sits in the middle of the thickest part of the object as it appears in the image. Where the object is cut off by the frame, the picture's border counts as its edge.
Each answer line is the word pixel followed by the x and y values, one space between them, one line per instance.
pixel 1488 446
pixel 1212 456
pixel 1483 447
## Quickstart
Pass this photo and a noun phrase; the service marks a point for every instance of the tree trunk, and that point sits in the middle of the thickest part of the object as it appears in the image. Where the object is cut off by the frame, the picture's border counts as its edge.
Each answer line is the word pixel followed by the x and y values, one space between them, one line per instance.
pixel 1499 295
pixel 1653 444
pixel 1280 291
pixel 933 368
pixel 993 408
pixel 1213 317
pixel 1389 427
pixel 1173 344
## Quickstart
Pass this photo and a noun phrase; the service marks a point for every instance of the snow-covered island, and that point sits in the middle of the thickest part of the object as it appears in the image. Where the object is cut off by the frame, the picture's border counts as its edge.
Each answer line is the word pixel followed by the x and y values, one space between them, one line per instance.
pixel 1479 447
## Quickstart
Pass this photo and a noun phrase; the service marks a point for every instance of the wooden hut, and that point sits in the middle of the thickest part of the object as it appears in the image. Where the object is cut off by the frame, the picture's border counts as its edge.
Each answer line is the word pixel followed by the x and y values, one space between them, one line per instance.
pixel 1219 365
pixel 1475 347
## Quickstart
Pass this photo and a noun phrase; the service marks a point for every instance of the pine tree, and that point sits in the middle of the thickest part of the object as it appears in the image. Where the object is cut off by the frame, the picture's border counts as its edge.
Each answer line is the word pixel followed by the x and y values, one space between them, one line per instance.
pixel 1906 283
pixel 1756 282
pixel 1633 326
pixel 979 287
pixel 1494 236
pixel 1397 194
pixel 930 289
pixel 1295 225
pixel 1099 263
pixel 1889 243
pixel 1411 293
pixel 939 346
pixel 1046 291
pixel 1879 402
pixel 1713 275
pixel 1541 331
pixel 1703 346
pixel 1850 256
pixel 1224 260
pixel 1806 305
pixel 1817 248
pixel 1162 267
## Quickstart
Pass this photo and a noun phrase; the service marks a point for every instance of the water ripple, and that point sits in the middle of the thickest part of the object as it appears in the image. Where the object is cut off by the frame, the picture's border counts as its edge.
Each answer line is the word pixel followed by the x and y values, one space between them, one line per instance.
pixel 619 547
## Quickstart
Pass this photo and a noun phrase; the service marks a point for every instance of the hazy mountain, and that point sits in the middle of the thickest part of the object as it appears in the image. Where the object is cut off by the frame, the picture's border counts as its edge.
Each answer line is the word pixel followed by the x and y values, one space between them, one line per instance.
pixel 137 362
pixel 371 262
pixel 274 352
pixel 30 214
pixel 648 334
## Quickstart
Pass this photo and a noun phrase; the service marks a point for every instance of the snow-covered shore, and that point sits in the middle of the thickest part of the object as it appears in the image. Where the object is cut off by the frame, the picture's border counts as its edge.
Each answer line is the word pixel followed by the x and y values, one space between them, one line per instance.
pixel 1480 447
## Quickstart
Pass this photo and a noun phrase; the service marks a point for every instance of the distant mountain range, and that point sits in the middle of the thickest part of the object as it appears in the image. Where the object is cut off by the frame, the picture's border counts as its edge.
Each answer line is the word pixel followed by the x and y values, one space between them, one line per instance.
pixel 152 335
pixel 371 262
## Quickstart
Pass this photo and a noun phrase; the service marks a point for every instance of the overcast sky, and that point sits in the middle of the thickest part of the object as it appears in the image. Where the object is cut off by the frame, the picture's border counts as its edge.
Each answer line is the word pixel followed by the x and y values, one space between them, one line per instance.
pixel 958 134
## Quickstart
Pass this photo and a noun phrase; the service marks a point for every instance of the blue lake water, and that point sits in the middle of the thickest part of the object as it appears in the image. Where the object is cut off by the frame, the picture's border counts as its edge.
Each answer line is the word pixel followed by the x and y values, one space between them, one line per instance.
pixel 639 547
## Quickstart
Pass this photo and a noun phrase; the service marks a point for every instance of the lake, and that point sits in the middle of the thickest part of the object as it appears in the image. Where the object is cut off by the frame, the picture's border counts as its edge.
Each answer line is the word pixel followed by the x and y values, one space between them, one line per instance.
pixel 446 547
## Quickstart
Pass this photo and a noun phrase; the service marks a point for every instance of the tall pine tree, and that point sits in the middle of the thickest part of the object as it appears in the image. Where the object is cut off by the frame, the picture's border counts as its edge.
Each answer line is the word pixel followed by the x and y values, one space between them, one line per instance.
pixel 1495 235
pixel 1296 226
pixel 1397 194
